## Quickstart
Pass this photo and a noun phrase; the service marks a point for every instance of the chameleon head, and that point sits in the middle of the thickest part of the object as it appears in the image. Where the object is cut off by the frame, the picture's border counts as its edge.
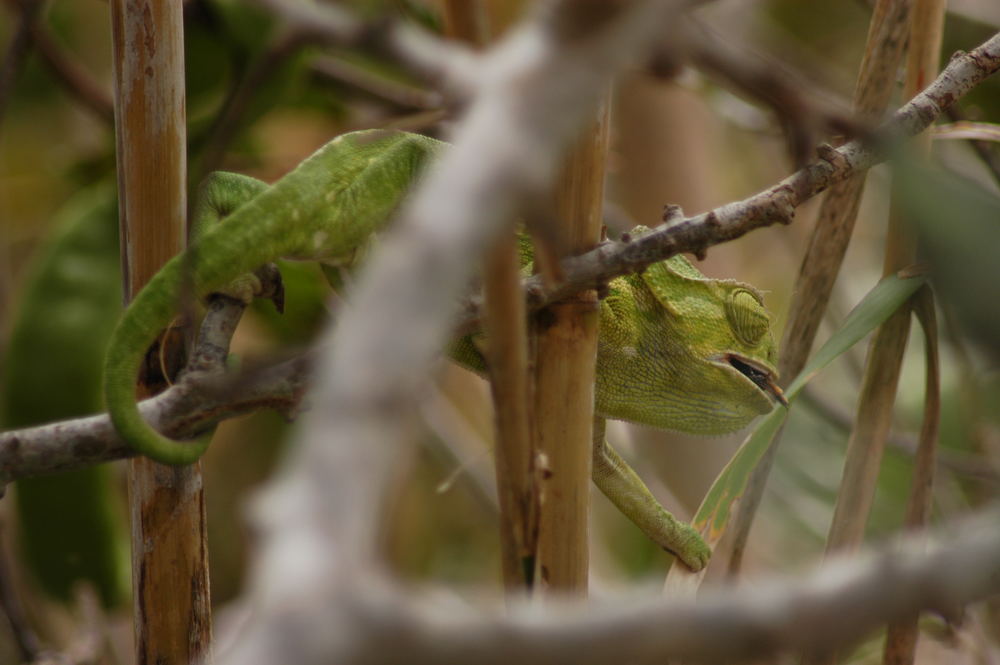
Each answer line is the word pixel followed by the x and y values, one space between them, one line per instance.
pixel 684 352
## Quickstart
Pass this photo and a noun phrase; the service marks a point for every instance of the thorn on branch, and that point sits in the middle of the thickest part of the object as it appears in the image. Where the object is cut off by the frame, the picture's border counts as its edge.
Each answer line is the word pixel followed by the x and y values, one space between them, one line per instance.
pixel 672 213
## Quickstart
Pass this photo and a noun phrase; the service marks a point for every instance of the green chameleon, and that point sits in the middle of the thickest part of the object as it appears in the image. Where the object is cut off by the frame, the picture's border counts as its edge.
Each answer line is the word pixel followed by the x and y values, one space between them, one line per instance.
pixel 677 350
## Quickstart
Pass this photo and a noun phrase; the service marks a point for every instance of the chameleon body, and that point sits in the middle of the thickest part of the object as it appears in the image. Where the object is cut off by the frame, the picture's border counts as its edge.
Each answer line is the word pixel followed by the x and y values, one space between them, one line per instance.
pixel 676 349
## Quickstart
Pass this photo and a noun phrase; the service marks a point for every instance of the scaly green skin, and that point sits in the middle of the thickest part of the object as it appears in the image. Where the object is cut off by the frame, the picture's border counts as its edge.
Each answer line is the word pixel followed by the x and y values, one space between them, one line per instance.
pixel 666 341
pixel 663 351
pixel 663 359
pixel 321 211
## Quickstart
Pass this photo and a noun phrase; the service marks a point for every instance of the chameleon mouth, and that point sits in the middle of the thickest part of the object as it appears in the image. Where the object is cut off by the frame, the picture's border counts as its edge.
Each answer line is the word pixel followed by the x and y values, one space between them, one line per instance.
pixel 761 377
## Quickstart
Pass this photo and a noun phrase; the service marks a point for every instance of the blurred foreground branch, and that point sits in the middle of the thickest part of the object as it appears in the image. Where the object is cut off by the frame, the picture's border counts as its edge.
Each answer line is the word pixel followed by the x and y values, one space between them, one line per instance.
pixel 315 593
pixel 450 66
pixel 370 621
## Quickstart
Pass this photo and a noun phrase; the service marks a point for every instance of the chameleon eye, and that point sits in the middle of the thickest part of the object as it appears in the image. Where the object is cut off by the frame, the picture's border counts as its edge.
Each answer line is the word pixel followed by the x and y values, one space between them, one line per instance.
pixel 747 316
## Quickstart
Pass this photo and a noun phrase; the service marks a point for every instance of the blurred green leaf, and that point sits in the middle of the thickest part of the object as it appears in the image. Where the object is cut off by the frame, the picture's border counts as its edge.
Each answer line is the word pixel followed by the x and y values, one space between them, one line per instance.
pixel 71 524
pixel 958 223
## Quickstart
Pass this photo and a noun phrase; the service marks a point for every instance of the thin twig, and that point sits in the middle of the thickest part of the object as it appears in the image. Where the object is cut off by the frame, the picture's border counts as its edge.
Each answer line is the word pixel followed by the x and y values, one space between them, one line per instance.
pixel 506 355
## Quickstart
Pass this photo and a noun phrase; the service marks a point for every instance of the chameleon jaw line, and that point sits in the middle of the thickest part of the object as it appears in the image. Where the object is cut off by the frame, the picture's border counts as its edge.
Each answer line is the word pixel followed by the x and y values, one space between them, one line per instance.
pixel 762 377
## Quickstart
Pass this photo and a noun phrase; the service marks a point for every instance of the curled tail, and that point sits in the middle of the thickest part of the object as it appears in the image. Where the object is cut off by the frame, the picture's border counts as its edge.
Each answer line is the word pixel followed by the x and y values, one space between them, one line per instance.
pixel 138 329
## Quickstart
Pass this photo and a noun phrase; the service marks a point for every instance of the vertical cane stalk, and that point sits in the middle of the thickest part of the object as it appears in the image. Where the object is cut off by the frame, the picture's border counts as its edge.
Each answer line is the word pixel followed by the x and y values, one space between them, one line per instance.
pixel 506 329
pixel 831 234
pixel 169 557
pixel 926 33
pixel 565 354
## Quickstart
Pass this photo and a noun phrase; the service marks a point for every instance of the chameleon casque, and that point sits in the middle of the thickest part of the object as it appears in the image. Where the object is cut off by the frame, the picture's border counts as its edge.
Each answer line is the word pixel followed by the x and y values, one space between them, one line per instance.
pixel 677 350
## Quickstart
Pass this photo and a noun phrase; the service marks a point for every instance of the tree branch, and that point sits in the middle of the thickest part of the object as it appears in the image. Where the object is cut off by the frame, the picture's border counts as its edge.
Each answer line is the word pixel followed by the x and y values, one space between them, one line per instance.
pixel 204 395
pixel 773 205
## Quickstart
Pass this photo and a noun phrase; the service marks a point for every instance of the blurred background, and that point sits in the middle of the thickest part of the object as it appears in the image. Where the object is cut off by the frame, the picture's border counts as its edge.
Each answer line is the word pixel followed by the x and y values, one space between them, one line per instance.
pixel 259 101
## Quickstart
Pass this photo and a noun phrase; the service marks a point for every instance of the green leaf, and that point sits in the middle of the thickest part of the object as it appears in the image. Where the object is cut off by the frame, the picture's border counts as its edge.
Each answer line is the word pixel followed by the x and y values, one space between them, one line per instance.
pixel 958 223
pixel 887 296
pixel 72 524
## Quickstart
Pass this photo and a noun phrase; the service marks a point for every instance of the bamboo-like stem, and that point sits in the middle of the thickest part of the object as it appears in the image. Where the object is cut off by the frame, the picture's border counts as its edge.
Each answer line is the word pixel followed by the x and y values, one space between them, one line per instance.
pixel 169 557
pixel 901 636
pixel 926 34
pixel 506 328
pixel 871 429
pixel 565 354
pixel 828 243
pixel 874 418
pixel 866 444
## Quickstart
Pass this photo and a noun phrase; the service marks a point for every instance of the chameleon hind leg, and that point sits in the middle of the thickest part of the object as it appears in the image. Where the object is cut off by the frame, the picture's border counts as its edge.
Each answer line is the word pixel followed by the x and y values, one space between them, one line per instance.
pixel 630 495
pixel 220 194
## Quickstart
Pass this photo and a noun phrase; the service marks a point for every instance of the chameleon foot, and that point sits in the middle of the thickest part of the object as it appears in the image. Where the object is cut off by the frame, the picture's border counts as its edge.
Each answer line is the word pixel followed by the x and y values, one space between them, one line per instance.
pixel 689 547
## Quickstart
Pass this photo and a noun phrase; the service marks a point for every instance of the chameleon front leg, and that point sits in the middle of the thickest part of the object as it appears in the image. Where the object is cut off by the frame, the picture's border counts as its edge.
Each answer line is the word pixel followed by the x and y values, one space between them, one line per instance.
pixel 630 495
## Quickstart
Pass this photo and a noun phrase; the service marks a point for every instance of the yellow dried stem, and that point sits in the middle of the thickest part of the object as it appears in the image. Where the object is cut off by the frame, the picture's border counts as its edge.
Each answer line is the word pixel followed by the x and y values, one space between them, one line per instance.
pixel 169 556
pixel 831 234
pixel 926 33
pixel 506 328
pixel 565 353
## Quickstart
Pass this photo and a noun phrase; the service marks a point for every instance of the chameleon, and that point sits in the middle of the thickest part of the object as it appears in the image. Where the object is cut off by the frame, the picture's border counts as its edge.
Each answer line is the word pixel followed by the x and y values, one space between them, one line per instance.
pixel 676 349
